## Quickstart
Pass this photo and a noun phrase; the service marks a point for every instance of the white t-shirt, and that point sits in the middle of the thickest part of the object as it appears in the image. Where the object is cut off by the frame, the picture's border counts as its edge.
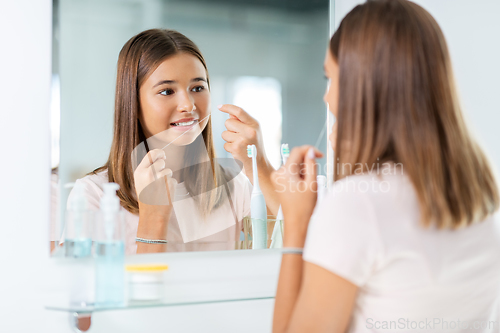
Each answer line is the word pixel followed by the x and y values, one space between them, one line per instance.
pixel 367 231
pixel 220 233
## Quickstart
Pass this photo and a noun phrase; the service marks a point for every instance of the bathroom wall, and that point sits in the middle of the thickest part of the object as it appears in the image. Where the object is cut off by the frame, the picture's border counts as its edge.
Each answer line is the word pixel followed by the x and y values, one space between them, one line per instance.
pixel 472 30
pixel 25 27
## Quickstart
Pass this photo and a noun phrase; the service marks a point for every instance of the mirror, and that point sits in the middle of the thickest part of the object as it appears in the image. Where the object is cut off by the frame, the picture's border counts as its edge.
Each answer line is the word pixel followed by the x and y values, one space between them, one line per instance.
pixel 265 57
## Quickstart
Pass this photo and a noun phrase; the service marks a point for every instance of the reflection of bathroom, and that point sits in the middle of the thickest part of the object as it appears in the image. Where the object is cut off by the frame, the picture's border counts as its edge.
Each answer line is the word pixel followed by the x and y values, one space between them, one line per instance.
pixel 267 57
pixel 245 46
pixel 263 71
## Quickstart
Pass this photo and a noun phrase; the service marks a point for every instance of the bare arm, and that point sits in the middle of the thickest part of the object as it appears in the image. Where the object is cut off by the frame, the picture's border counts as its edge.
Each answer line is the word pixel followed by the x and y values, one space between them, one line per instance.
pixel 309 298
pixel 152 181
pixel 153 224
pixel 289 284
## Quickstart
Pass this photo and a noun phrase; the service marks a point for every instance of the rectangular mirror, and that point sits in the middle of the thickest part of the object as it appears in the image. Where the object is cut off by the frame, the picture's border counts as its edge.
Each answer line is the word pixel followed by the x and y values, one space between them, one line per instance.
pixel 265 57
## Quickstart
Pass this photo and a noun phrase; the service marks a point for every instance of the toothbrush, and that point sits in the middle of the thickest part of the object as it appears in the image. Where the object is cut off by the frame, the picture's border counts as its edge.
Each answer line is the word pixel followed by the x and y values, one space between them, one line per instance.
pixel 277 237
pixel 258 210
pixel 285 152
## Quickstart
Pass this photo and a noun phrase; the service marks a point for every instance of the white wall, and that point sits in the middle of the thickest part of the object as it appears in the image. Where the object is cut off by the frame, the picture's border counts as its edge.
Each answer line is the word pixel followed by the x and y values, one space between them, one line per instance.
pixel 25 29
pixel 472 30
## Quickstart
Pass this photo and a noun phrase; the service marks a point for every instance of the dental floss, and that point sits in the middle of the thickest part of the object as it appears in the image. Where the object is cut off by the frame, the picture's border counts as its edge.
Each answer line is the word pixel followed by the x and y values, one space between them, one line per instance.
pixel 321 134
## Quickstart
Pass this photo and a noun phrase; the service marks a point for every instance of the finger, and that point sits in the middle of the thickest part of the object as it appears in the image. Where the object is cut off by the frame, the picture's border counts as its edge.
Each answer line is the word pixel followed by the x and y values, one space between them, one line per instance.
pixel 295 163
pixel 228 147
pixel 151 157
pixel 297 156
pixel 156 154
pixel 157 167
pixel 235 125
pixel 317 153
pixel 237 112
pixel 229 136
pixel 310 168
pixel 165 172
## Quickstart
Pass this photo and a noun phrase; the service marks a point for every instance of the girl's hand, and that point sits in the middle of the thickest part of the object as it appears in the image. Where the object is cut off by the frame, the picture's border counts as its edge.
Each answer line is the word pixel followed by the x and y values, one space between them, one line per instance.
pixel 151 177
pixel 155 189
pixel 296 185
pixel 244 130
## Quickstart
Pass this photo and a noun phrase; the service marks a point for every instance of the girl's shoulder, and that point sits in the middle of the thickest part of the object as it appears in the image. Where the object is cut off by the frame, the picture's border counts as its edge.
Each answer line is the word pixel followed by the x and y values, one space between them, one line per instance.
pixel 239 183
pixel 95 180
pixel 92 187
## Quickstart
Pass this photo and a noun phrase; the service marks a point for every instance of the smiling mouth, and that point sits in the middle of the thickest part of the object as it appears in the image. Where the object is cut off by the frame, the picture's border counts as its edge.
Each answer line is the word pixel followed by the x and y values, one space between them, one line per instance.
pixel 185 123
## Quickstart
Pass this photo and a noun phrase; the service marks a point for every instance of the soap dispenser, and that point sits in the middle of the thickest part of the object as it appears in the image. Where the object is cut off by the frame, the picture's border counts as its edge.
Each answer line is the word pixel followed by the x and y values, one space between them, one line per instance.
pixel 110 250
pixel 78 249
pixel 77 233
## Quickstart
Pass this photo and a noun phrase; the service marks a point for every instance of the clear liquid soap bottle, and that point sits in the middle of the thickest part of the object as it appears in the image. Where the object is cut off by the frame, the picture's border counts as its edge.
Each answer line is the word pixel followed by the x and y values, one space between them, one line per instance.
pixel 110 250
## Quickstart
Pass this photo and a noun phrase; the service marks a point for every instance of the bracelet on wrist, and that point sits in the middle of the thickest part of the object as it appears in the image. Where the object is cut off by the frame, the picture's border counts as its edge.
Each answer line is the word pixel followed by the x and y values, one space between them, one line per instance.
pixel 292 250
pixel 150 241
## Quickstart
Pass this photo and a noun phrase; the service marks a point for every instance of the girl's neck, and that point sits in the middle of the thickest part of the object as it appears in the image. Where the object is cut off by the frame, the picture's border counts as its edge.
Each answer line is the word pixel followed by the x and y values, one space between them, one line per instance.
pixel 176 159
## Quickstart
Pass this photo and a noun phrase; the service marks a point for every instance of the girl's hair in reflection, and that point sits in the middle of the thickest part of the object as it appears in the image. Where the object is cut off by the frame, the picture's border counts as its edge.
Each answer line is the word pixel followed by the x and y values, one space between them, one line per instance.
pixel 139 57
pixel 398 102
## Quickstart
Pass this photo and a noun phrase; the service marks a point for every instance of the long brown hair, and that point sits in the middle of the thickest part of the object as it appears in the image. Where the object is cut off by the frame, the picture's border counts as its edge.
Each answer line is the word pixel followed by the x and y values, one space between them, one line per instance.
pixel 138 58
pixel 398 102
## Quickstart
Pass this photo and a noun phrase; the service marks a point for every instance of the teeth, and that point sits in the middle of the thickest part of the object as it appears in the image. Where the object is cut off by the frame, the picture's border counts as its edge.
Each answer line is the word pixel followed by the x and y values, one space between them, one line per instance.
pixel 185 124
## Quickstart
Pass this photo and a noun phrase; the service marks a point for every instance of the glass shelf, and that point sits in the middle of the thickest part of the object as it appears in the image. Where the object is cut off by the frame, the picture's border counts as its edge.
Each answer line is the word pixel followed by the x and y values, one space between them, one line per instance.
pixel 144 304
pixel 193 278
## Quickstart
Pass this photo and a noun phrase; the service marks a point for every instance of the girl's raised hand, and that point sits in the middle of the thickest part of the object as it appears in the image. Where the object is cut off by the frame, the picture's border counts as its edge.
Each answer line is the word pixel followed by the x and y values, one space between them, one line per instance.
pixel 296 185
pixel 243 130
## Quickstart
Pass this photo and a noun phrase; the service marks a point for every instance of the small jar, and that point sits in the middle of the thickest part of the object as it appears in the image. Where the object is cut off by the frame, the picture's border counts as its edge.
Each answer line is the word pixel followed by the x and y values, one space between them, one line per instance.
pixel 145 282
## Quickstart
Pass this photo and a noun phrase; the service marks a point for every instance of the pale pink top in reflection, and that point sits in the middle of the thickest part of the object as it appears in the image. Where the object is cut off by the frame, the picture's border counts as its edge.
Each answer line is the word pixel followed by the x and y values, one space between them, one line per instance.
pixel 226 231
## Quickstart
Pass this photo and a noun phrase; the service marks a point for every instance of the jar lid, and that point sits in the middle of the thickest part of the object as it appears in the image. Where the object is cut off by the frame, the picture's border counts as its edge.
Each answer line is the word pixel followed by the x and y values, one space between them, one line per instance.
pixel 146 268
